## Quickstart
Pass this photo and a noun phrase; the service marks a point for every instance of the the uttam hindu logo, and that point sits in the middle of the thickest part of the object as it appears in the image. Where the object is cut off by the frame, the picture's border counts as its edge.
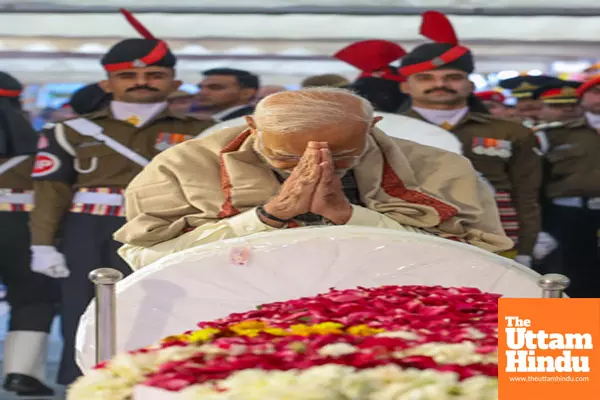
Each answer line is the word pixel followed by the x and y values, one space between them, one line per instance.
pixel 526 348
pixel 548 349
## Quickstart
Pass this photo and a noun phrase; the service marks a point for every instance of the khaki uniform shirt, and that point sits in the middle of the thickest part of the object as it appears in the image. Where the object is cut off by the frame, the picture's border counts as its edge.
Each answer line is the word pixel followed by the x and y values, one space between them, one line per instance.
pixel 17 177
pixel 67 161
pixel 572 159
pixel 504 152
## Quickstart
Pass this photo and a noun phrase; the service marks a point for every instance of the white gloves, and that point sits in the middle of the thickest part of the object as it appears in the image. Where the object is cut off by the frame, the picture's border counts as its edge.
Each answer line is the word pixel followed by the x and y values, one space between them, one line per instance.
pixel 544 245
pixel 524 260
pixel 48 261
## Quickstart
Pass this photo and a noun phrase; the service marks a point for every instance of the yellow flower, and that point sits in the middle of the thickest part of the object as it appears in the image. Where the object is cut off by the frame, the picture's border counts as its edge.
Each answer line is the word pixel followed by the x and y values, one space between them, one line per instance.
pixel 202 335
pixel 249 332
pixel 248 325
pixel 175 338
pixel 277 332
pixel 301 330
pixel 364 330
pixel 325 328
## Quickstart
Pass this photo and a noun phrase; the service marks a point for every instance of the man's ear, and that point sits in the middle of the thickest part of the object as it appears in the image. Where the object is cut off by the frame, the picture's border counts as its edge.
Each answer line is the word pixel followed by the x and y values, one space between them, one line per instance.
pixel 248 94
pixel 177 85
pixel 375 121
pixel 251 123
pixel 472 85
pixel 404 87
pixel 105 85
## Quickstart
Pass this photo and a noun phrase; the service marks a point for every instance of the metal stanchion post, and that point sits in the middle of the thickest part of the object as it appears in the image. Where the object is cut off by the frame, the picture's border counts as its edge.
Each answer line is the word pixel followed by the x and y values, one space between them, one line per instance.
pixel 105 280
pixel 553 285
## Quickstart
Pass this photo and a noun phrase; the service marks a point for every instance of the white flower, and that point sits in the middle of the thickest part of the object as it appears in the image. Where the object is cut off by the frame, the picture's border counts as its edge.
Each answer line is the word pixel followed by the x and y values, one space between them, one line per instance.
pixel 337 349
pixel 99 385
pixel 475 334
pixel 407 335
pixel 338 382
pixel 479 388
pixel 117 380
pixel 463 353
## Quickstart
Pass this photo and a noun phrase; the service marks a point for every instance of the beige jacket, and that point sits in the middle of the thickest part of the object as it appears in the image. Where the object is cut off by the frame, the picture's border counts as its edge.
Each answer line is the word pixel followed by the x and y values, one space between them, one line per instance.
pixel 206 189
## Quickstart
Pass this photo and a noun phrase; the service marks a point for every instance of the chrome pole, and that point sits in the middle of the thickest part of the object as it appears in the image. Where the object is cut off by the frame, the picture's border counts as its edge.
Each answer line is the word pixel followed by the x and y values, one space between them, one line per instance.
pixel 553 285
pixel 105 280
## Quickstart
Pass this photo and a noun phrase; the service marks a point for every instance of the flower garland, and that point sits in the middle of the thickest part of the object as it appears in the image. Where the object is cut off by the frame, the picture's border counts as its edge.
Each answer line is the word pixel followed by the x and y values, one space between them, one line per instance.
pixel 393 342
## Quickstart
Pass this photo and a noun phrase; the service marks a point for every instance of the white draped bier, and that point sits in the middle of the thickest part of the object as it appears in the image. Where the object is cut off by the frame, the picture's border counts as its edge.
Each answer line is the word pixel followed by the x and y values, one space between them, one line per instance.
pixel 172 295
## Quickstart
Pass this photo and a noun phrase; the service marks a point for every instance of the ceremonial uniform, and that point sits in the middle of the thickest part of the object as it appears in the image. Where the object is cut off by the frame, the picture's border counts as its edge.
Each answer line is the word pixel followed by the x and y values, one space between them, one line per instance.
pixel 572 187
pixel 560 101
pixel 523 88
pixel 593 118
pixel 33 297
pixel 82 167
pixel 501 150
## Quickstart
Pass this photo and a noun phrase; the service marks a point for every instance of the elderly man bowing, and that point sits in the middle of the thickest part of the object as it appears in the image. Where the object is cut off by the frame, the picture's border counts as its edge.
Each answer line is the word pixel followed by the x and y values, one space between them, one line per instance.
pixel 309 157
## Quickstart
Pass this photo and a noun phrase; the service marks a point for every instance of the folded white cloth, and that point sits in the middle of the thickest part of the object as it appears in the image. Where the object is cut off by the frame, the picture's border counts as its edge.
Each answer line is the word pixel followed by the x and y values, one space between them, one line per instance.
pixel 48 261
pixel 544 245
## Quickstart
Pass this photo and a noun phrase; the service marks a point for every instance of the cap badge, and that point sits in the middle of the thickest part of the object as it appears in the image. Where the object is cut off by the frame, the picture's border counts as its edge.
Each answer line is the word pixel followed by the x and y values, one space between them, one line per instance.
pixel 568 92
pixel 138 63
pixel 438 62
pixel 525 86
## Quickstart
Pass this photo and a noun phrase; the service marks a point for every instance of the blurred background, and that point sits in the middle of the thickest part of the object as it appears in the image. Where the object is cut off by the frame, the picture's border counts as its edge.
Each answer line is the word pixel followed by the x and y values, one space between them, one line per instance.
pixel 54 46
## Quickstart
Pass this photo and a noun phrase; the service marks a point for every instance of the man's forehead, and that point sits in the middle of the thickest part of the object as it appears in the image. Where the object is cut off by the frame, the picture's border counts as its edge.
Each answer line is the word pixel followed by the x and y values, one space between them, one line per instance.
pixel 143 70
pixel 594 89
pixel 529 104
pixel 219 79
pixel 441 73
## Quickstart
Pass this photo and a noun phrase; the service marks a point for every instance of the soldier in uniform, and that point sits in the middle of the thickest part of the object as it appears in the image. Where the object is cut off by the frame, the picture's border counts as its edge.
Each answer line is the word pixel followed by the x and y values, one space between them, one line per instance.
pixel 501 150
pixel 589 92
pixel 559 101
pixel 572 187
pixel 33 298
pixel 522 88
pixel 83 166
pixel 493 101
pixel 378 81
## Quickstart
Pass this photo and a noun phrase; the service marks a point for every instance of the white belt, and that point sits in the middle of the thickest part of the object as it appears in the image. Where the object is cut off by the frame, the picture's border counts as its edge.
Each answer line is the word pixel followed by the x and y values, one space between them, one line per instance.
pixel 16 198
pixel 592 203
pixel 104 199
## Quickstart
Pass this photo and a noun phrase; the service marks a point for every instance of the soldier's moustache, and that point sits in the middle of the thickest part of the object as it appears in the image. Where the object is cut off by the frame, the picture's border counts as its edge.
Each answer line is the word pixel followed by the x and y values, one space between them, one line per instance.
pixel 142 88
pixel 442 89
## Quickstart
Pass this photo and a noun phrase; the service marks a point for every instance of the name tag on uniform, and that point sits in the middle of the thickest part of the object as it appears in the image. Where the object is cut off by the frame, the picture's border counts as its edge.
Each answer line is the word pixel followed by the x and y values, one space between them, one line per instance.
pixel 90 144
pixel 491 147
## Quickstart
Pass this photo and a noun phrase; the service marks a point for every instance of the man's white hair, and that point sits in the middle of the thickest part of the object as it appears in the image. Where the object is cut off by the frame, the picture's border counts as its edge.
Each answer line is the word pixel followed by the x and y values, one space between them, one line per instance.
pixel 307 109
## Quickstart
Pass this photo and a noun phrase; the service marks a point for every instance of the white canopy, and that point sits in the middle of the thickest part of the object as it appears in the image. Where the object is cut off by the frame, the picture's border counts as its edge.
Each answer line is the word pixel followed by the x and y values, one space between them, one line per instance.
pixel 285 44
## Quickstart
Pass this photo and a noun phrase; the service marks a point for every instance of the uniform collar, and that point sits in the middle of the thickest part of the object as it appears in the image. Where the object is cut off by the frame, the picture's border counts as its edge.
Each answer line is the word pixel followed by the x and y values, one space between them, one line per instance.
pixel 470 116
pixel 222 114
pixel 106 113
pixel 593 120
